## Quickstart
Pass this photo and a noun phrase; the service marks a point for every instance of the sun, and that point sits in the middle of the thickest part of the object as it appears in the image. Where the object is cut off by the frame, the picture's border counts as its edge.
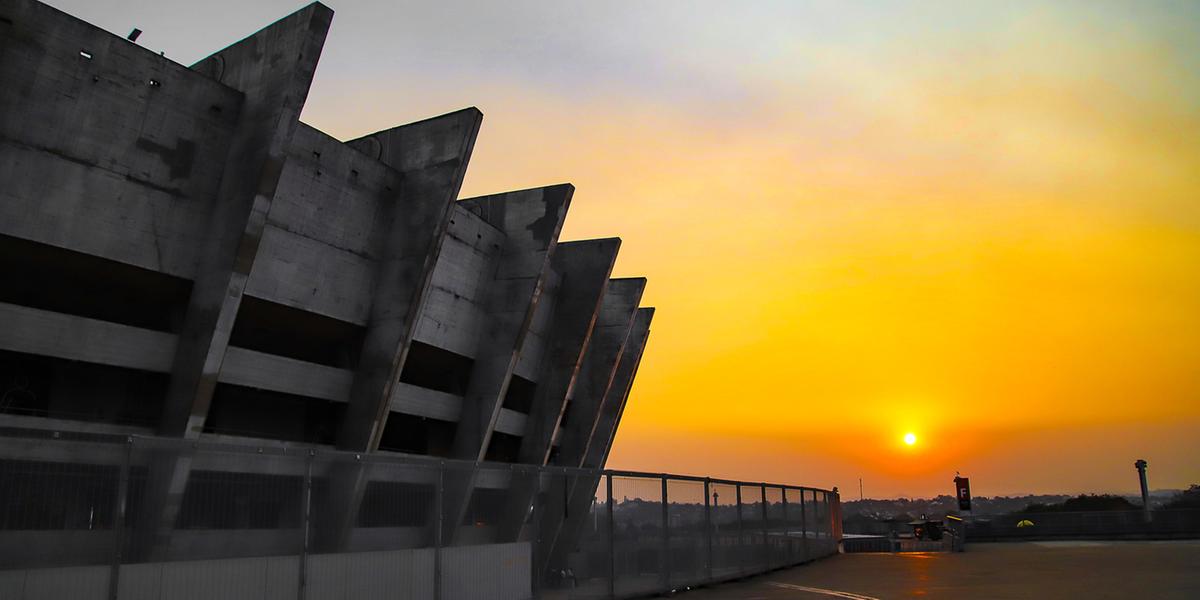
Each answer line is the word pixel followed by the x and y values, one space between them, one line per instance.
pixel 910 438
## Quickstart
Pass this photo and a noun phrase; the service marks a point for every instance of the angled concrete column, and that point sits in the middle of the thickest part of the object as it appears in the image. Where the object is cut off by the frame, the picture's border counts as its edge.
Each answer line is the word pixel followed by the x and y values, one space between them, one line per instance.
pixel 273 69
pixel 602 437
pixel 432 157
pixel 531 221
pixel 599 368
pixel 564 527
pixel 585 267
pixel 572 496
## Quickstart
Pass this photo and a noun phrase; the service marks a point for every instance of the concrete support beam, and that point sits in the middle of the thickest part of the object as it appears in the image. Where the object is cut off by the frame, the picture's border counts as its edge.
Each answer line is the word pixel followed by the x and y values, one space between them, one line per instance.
pixel 424 402
pixel 585 267
pixel 613 407
pixel 432 157
pixel 47 333
pixel 561 525
pixel 51 424
pixel 282 374
pixel 609 336
pixel 571 497
pixel 531 221
pixel 273 69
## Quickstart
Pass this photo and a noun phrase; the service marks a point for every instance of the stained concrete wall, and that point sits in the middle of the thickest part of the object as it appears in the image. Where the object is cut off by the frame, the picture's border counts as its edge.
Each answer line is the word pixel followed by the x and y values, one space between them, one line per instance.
pixel 613 405
pixel 562 531
pixel 307 259
pixel 144 150
pixel 109 164
pixel 610 337
pixel 531 221
pixel 431 157
pixel 586 267
pixel 455 312
pixel 203 178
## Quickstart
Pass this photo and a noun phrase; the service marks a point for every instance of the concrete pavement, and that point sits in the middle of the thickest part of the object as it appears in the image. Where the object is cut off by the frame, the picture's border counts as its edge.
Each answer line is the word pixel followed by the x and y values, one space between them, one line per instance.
pixel 1165 570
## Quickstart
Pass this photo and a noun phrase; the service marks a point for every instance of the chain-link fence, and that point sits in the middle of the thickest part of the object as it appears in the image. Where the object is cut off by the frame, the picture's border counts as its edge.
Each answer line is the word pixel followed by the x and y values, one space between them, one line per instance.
pixel 141 517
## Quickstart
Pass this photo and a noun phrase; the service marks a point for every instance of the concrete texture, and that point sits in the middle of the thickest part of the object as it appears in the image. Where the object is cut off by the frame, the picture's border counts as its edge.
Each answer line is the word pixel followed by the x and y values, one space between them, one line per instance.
pixel 1017 571
pixel 600 442
pixel 609 336
pixel 585 267
pixel 531 221
pixel 431 157
pixel 106 186
pixel 560 528
pixel 273 70
pixel 596 377
pixel 195 262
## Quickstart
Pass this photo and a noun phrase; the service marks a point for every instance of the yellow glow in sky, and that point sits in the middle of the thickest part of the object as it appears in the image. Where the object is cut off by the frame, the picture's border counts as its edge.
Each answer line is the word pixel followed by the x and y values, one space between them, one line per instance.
pixel 979 221
pixel 984 227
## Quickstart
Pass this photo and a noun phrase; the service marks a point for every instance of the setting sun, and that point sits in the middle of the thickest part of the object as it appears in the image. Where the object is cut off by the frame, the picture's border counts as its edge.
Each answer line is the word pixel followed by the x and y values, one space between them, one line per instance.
pixel 910 438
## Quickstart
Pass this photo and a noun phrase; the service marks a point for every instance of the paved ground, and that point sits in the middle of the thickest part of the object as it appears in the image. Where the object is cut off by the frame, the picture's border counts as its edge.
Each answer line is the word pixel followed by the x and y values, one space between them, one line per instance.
pixel 1164 570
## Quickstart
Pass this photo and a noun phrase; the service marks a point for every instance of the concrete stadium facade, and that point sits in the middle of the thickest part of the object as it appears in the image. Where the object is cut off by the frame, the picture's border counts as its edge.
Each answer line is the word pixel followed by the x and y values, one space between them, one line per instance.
pixel 182 257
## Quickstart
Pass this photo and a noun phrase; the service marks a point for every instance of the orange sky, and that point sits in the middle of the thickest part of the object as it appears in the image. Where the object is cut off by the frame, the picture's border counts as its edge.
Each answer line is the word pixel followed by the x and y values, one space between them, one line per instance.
pixel 981 225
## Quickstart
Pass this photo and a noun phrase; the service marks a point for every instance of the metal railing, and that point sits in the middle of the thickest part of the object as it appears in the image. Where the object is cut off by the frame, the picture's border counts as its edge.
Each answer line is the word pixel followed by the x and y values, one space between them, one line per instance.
pixel 144 517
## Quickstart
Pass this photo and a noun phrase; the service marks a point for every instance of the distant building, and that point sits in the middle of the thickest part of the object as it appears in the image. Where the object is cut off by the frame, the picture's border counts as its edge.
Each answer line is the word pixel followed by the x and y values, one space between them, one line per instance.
pixel 180 256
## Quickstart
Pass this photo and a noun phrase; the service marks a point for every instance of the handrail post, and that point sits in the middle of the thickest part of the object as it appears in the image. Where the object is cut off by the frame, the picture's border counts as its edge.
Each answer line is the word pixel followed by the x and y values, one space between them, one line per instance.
pixel 826 521
pixel 612 543
pixel 787 538
pixel 306 526
pixel 665 562
pixel 122 500
pixel 803 527
pixel 708 531
pixel 536 533
pixel 766 535
pixel 741 539
pixel 439 500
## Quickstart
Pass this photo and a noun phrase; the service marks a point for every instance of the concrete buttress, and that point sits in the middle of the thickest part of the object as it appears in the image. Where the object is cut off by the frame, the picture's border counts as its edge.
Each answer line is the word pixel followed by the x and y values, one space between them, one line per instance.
pixel 273 69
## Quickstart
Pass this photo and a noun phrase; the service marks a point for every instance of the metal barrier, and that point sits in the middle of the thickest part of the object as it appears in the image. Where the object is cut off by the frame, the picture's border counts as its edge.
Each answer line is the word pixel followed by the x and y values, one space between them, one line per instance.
pixel 144 517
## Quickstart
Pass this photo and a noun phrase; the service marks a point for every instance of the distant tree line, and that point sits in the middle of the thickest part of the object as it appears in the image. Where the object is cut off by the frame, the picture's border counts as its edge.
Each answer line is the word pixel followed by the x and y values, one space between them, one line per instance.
pixel 1189 498
pixel 1082 503
pixel 902 510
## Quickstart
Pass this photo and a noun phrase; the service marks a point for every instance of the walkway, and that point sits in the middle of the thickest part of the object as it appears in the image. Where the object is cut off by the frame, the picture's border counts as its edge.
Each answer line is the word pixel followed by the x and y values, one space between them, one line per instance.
pixel 1019 570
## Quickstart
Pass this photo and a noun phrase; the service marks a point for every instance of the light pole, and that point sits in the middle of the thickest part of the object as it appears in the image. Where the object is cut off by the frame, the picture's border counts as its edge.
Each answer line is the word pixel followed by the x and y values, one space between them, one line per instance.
pixel 1140 465
pixel 716 525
